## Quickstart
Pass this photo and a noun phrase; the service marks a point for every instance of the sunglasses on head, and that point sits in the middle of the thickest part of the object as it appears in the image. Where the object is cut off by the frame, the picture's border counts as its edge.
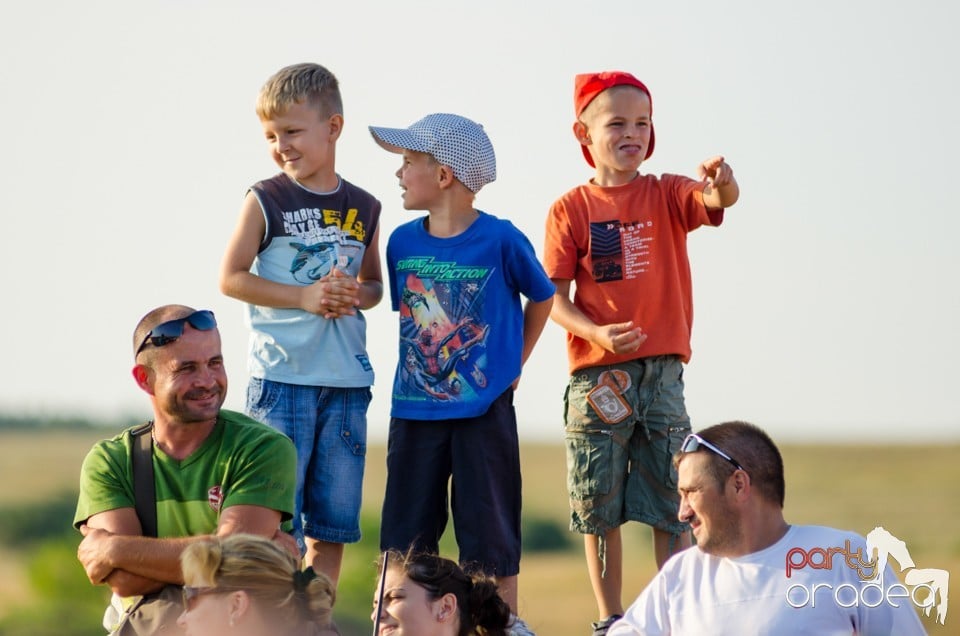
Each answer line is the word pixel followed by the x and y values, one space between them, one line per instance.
pixel 694 442
pixel 167 332
pixel 191 593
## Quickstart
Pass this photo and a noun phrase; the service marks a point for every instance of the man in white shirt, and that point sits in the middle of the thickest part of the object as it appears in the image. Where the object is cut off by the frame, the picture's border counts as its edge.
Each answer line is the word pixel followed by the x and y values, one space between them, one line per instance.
pixel 753 573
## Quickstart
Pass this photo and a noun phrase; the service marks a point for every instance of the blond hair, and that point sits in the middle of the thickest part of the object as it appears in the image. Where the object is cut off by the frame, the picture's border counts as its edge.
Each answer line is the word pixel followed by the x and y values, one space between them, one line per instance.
pixel 269 574
pixel 299 83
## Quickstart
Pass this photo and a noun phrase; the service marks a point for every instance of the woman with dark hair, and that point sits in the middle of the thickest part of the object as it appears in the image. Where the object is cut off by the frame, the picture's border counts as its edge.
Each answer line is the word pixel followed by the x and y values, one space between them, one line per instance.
pixel 424 594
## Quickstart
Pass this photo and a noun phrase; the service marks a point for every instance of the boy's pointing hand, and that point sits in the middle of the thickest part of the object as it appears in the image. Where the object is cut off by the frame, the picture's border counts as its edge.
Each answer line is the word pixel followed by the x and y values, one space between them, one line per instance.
pixel 715 171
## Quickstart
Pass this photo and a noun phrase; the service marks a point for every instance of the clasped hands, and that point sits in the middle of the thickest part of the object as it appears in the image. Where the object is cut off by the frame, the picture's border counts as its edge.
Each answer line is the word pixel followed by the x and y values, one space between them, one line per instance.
pixel 336 294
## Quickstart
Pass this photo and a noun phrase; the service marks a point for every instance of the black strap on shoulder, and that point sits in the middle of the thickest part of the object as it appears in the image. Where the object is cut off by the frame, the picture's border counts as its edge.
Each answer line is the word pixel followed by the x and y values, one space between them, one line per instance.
pixel 144 490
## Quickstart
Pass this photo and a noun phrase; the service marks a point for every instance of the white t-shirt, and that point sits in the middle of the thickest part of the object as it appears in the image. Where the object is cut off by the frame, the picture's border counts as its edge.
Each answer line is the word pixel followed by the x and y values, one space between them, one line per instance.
pixel 697 593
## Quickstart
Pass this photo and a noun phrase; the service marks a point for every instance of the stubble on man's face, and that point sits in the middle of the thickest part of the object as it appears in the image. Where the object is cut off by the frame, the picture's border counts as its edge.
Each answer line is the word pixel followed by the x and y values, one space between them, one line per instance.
pixel 190 380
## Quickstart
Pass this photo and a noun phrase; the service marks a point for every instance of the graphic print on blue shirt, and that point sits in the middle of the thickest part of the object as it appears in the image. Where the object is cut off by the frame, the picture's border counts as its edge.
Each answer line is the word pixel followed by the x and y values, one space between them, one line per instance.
pixel 442 335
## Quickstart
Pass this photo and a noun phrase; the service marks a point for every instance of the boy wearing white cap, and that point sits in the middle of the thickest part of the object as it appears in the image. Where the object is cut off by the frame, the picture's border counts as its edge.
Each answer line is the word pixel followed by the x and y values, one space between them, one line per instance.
pixel 456 278
pixel 622 239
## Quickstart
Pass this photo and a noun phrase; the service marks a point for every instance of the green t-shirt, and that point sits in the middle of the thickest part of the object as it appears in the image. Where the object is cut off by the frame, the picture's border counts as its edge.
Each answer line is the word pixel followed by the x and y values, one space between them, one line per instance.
pixel 241 462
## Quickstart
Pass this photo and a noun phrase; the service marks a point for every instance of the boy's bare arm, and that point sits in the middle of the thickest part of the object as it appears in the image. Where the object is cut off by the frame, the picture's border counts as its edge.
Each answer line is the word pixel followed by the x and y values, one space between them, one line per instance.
pixel 622 337
pixel 238 282
pixel 722 189
pixel 345 294
pixel 371 275
pixel 535 316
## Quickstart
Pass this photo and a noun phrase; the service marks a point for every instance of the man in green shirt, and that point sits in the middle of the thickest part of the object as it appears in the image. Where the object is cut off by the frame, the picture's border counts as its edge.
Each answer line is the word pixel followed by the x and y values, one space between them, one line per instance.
pixel 215 472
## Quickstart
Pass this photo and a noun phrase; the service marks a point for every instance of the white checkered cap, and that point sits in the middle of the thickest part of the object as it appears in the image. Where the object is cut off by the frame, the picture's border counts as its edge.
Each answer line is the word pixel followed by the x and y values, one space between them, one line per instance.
pixel 452 140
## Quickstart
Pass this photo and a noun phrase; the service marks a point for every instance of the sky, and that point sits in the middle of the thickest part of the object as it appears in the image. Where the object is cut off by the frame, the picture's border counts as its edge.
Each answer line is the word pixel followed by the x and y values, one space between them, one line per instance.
pixel 826 305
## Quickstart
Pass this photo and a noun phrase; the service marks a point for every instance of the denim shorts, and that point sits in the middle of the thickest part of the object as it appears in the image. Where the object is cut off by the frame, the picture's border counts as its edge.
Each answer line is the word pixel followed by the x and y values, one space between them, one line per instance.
pixel 476 460
pixel 624 423
pixel 328 425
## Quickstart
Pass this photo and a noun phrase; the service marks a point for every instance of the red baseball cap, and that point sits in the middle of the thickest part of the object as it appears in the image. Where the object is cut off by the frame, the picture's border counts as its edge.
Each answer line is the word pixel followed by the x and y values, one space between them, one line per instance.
pixel 587 86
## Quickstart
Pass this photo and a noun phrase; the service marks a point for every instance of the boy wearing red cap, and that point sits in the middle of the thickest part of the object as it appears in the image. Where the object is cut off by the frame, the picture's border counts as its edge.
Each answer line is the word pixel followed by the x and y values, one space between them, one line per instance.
pixel 621 238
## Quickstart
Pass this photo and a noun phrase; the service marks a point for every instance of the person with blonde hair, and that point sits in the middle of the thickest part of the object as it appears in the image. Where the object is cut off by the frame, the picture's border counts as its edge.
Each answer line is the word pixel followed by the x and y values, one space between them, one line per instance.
pixel 305 261
pixel 246 585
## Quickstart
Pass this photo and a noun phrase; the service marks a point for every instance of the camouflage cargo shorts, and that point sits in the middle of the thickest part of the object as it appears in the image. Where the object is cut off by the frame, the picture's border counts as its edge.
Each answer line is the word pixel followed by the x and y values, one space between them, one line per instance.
pixel 623 424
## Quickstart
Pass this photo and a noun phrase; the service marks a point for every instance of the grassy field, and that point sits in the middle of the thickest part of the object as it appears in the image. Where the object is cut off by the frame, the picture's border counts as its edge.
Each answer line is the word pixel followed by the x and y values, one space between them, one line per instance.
pixel 908 490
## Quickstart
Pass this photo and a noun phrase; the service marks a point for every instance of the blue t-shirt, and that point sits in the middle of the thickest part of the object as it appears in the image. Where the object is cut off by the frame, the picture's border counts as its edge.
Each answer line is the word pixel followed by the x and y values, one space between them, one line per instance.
pixel 461 317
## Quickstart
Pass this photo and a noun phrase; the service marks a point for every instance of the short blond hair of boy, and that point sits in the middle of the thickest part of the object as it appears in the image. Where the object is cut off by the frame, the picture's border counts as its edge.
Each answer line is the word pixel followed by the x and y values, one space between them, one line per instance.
pixel 298 83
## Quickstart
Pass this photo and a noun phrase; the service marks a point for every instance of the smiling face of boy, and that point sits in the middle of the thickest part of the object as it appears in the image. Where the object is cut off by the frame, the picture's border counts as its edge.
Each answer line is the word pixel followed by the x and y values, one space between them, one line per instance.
pixel 616 128
pixel 302 142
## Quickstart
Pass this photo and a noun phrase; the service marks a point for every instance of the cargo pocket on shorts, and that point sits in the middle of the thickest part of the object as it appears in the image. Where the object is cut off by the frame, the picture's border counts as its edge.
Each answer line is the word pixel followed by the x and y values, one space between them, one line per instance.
pixel 588 463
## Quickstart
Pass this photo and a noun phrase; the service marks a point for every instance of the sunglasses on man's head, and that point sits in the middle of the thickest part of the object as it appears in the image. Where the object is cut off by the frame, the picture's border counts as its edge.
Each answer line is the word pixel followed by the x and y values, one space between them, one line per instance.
pixel 694 442
pixel 167 332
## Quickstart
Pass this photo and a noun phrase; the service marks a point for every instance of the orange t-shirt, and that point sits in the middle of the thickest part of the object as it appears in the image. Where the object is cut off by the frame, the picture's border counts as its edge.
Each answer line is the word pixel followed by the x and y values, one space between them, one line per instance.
pixel 625 248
